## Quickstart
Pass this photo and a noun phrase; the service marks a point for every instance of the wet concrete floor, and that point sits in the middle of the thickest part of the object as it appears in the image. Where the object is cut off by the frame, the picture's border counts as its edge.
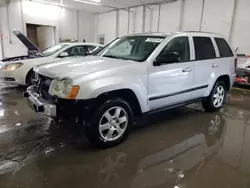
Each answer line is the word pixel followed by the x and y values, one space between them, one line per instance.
pixel 181 148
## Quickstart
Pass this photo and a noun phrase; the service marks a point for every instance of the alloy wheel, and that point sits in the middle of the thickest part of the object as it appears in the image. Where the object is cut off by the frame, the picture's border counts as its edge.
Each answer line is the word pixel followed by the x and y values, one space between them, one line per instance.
pixel 113 123
pixel 219 96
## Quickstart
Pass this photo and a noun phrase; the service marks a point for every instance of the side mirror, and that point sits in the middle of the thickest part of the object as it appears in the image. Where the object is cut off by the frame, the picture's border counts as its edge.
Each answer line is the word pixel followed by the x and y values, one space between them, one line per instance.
pixel 166 58
pixel 64 54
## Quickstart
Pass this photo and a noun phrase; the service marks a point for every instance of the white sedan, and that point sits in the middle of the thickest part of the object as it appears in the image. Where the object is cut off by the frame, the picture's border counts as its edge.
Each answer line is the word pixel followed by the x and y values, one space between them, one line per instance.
pixel 19 70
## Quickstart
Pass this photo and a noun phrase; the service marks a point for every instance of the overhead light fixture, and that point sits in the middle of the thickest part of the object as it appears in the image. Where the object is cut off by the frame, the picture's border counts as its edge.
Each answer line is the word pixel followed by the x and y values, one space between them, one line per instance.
pixel 92 2
pixel 47 2
pixel 96 1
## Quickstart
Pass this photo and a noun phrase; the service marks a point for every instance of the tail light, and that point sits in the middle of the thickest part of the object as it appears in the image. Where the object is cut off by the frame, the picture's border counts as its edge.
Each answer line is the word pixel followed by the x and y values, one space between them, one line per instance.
pixel 235 63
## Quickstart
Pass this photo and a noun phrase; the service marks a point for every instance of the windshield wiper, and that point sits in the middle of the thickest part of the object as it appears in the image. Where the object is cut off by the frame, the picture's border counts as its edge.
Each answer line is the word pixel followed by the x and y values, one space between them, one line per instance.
pixel 115 57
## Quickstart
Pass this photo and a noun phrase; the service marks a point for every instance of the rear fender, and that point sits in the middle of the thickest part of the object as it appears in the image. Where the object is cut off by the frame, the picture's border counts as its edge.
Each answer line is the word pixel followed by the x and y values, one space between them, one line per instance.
pixel 213 80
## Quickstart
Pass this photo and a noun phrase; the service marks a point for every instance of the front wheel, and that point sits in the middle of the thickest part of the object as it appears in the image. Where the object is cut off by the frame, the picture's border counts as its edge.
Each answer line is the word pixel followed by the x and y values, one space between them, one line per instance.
pixel 217 97
pixel 110 124
pixel 29 78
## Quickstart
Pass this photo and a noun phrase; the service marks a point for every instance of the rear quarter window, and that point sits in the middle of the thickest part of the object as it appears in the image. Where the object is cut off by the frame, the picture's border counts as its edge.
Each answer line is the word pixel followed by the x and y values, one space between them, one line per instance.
pixel 224 49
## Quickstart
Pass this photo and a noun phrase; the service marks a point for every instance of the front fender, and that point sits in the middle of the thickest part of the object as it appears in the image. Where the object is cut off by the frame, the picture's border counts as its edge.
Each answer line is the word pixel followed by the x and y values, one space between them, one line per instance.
pixel 95 88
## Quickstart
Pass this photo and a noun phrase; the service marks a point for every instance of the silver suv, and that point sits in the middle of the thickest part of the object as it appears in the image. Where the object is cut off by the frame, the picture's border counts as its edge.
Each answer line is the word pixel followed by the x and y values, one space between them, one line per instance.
pixel 134 75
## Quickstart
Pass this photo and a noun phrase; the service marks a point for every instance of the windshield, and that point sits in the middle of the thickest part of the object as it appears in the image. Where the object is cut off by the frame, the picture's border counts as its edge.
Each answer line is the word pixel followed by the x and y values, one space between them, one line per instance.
pixel 53 49
pixel 136 48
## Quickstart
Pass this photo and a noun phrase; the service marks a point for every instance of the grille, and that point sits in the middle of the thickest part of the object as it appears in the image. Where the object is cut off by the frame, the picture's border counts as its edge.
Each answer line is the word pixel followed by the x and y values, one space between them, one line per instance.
pixel 43 88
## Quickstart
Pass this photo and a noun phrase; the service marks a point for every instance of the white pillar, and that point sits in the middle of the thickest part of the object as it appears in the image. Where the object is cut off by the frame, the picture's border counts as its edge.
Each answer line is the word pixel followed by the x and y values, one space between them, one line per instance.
pixel 117 23
pixel 181 15
pixel 233 21
pixel 143 18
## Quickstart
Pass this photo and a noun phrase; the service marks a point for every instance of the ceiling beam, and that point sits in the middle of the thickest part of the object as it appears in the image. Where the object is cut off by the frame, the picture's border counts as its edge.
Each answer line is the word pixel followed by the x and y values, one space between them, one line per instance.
pixel 143 3
pixel 62 5
pixel 147 5
pixel 113 8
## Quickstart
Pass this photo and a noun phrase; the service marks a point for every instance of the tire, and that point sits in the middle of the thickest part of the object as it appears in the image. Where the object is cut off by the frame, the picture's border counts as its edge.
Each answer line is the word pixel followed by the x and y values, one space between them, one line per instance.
pixel 209 103
pixel 29 78
pixel 115 126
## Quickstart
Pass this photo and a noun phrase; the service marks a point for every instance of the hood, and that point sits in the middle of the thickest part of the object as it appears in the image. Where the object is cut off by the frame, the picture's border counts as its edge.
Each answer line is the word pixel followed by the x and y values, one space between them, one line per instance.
pixel 77 67
pixel 31 46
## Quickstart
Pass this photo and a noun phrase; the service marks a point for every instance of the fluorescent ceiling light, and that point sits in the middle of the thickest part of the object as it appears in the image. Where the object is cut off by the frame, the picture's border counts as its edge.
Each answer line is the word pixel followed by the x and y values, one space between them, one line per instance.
pixel 47 2
pixel 96 1
pixel 92 2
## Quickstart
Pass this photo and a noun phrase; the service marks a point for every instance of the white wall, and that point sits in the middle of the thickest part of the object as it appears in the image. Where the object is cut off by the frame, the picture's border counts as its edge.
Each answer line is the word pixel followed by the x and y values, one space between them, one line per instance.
pixel 11 45
pixel 107 25
pixel 131 21
pixel 86 26
pixel 68 24
pixel 123 22
pixel 241 27
pixel 191 15
pixel 64 19
pixel 155 19
pixel 41 14
pixel 138 19
pixel 148 20
pixel 170 17
pixel 217 17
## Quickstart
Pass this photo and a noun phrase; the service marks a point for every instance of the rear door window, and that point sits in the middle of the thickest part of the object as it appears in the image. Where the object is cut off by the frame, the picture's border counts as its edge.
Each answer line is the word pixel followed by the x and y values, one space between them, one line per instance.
pixel 223 47
pixel 204 48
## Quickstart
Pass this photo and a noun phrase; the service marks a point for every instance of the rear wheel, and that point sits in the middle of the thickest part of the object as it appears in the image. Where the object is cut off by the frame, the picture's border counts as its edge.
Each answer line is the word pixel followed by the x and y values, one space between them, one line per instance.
pixel 110 123
pixel 217 97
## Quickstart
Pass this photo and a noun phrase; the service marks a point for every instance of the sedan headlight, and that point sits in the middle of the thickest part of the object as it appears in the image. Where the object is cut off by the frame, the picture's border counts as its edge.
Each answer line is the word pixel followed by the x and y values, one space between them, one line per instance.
pixel 63 88
pixel 11 67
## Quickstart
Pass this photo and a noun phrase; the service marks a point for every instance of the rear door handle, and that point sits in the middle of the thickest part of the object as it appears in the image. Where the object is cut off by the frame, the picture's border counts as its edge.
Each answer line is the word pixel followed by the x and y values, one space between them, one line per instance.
pixel 215 66
pixel 186 70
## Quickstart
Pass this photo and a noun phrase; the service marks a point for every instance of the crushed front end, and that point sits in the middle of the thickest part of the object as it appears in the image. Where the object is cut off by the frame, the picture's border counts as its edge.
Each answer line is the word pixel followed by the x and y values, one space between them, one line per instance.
pixel 40 100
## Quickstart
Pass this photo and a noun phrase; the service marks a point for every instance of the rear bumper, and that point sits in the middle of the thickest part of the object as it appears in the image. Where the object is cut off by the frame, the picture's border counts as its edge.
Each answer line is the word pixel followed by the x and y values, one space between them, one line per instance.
pixel 38 104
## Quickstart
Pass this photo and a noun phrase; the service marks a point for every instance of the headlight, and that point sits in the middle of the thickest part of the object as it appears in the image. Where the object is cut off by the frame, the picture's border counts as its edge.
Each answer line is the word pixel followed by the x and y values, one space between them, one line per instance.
pixel 11 67
pixel 63 89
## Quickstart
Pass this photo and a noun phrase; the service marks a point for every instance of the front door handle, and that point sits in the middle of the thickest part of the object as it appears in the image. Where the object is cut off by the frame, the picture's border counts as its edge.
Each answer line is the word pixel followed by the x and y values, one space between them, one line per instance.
pixel 186 70
pixel 215 66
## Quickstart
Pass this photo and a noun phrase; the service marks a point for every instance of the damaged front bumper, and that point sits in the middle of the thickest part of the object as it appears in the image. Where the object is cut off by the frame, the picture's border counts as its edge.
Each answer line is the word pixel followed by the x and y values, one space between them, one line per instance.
pixel 60 108
pixel 38 104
